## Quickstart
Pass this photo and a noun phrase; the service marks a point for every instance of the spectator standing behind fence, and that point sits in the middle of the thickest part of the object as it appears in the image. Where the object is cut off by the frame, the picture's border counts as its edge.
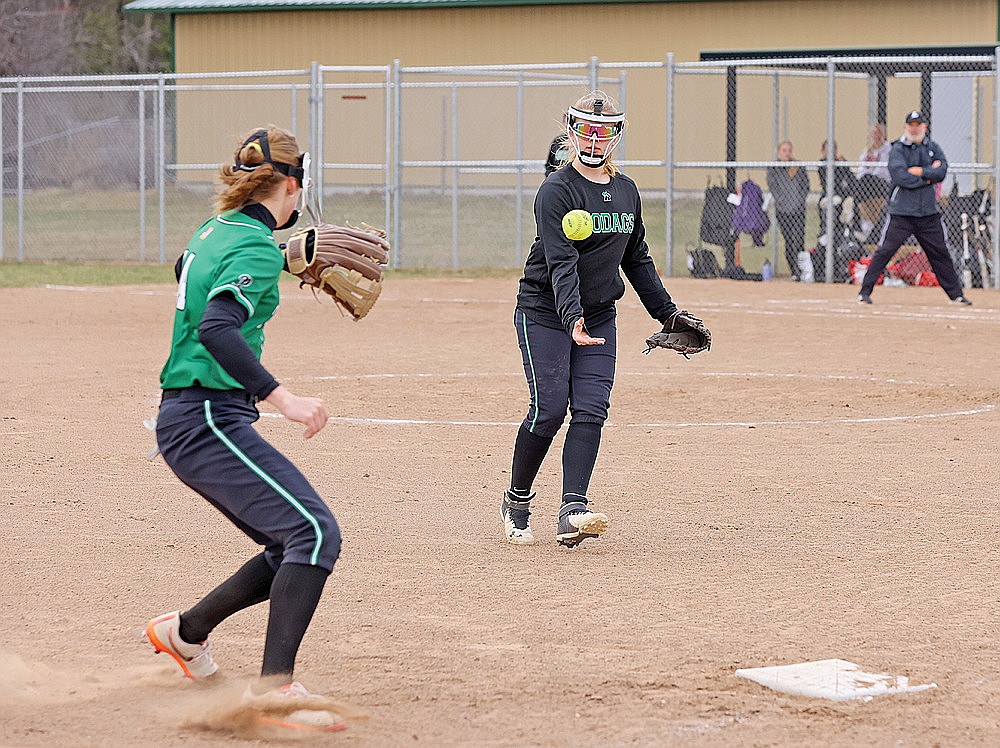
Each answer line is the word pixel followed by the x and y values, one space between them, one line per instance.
pixel 789 186
pixel 873 181
pixel 844 186
pixel 844 214
pixel 916 165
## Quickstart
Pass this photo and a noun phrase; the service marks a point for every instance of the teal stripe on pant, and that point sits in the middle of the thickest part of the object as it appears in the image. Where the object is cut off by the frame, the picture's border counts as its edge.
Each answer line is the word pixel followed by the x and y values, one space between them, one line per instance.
pixel 211 445
pixel 564 376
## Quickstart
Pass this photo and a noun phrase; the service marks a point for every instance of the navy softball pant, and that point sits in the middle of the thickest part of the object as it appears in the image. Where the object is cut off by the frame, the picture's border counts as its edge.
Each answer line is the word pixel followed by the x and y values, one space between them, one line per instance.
pixel 207 439
pixel 562 374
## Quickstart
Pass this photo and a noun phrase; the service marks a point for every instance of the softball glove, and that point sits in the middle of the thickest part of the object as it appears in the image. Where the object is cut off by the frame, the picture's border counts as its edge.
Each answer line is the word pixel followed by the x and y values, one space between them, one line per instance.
pixel 343 261
pixel 683 333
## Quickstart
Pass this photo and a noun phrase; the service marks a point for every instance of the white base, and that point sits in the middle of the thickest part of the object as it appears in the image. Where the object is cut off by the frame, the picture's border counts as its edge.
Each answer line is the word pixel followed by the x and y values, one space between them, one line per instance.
pixel 837 680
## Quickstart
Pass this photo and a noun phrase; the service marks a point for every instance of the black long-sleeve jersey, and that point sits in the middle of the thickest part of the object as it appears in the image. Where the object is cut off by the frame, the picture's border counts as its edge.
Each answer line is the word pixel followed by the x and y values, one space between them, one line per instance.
pixel 564 279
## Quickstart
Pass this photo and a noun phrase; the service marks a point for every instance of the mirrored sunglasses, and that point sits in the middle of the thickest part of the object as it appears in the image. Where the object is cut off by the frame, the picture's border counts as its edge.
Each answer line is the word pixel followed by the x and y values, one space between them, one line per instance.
pixel 600 130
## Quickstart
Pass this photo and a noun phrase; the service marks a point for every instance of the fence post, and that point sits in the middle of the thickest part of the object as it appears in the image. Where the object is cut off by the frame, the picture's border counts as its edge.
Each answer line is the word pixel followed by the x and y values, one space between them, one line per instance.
pixel 732 100
pixel 623 102
pixel 996 168
pixel 142 173
pixel 594 73
pixel 20 169
pixel 519 205
pixel 668 176
pixel 387 166
pixel 445 103
pixel 1 176
pixel 776 137
pixel 316 131
pixel 454 177
pixel 397 187
pixel 831 154
pixel 161 161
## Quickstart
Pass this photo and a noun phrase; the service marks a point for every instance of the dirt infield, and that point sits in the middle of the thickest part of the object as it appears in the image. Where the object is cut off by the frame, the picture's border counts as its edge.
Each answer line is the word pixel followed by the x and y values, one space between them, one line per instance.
pixel 822 484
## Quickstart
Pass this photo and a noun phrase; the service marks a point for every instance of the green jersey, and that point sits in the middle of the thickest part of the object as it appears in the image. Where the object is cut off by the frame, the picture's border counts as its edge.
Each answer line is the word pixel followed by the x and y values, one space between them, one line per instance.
pixel 230 253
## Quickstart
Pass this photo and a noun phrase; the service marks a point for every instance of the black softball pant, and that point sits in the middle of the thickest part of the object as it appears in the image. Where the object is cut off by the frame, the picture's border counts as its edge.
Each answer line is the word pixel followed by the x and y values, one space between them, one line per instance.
pixel 929 233
pixel 561 373
pixel 793 230
pixel 207 439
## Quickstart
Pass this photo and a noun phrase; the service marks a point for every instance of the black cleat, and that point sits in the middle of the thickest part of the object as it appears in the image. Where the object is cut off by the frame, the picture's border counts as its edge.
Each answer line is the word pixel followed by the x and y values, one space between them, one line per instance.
pixel 577 523
pixel 961 300
pixel 864 298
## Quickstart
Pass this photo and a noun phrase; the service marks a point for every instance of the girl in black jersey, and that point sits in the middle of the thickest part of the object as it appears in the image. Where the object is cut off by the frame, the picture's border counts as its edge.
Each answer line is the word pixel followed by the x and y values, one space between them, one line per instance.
pixel 565 317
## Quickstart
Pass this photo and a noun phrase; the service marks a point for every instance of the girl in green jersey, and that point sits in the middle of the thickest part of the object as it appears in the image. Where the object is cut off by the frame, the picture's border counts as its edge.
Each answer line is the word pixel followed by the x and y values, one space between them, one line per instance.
pixel 213 378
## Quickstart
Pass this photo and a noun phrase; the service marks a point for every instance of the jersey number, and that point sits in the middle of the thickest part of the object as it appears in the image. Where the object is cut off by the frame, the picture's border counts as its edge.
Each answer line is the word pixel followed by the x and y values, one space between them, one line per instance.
pixel 182 282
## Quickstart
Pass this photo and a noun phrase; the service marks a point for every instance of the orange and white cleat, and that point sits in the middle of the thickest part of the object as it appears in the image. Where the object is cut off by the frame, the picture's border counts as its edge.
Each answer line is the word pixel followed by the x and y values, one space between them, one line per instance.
pixel 164 634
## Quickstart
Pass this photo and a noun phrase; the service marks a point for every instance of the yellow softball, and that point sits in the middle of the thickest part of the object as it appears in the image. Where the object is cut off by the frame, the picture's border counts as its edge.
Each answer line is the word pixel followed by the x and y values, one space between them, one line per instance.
pixel 577 225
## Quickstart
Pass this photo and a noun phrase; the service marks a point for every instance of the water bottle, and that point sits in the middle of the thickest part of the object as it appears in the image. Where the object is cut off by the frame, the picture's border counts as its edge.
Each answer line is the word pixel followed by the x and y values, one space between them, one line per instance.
pixel 765 270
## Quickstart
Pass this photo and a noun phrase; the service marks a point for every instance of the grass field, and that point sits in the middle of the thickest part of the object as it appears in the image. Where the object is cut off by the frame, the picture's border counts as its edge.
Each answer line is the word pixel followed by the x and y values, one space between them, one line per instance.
pixel 469 230
pixel 35 274
pixel 32 274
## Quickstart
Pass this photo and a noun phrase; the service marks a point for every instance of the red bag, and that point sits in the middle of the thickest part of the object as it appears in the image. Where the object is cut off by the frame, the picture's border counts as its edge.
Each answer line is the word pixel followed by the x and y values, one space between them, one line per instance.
pixel 914 269
pixel 858 268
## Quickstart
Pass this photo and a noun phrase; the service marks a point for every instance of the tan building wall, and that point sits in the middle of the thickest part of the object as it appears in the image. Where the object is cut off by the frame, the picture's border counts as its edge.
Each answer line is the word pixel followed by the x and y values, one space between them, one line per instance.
pixel 564 33
pixel 567 33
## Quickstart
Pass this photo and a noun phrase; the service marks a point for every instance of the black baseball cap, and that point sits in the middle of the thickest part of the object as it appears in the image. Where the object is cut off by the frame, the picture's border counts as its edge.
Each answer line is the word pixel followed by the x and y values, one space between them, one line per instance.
pixel 915 116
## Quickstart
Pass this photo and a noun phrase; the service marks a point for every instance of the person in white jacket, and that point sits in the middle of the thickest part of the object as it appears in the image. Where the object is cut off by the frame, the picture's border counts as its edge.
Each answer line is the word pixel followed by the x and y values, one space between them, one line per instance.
pixel 873 182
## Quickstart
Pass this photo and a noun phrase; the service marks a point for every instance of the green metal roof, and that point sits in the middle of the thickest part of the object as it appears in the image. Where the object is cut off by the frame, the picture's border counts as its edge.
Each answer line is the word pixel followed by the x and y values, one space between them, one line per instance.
pixel 233 6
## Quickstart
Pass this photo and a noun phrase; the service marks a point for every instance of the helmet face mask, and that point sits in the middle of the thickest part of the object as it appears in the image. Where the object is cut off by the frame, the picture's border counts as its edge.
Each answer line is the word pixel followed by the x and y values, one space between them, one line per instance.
pixel 307 199
pixel 301 175
pixel 585 130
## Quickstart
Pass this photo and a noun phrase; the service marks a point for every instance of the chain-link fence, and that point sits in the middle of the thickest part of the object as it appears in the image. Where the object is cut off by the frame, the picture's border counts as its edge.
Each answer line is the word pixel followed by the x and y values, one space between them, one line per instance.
pixel 121 168
pixel 466 196
pixel 751 165
pixel 449 158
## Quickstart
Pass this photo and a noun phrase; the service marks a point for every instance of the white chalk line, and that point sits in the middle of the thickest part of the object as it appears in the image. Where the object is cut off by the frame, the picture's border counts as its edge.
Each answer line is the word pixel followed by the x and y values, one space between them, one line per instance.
pixel 704 424
pixel 846 312
pixel 519 375
pixel 126 291
pixel 674 425
pixel 108 289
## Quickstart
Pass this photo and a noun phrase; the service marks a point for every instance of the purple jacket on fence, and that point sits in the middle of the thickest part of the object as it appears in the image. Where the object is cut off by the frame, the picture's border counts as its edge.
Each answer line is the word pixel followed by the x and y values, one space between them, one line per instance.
pixel 749 216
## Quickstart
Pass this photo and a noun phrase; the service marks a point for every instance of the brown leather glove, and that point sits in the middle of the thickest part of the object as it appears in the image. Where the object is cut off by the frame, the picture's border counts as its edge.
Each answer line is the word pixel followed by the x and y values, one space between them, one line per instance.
pixel 343 261
pixel 683 333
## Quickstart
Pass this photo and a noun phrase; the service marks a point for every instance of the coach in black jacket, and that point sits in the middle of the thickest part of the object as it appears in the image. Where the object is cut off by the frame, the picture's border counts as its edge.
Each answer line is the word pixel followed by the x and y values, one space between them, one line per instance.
pixel 916 164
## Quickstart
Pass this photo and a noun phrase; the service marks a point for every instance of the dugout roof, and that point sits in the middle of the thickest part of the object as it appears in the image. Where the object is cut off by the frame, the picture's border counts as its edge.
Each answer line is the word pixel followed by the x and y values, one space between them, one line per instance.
pixel 895 61
pixel 233 6
pixel 875 68
pixel 878 63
